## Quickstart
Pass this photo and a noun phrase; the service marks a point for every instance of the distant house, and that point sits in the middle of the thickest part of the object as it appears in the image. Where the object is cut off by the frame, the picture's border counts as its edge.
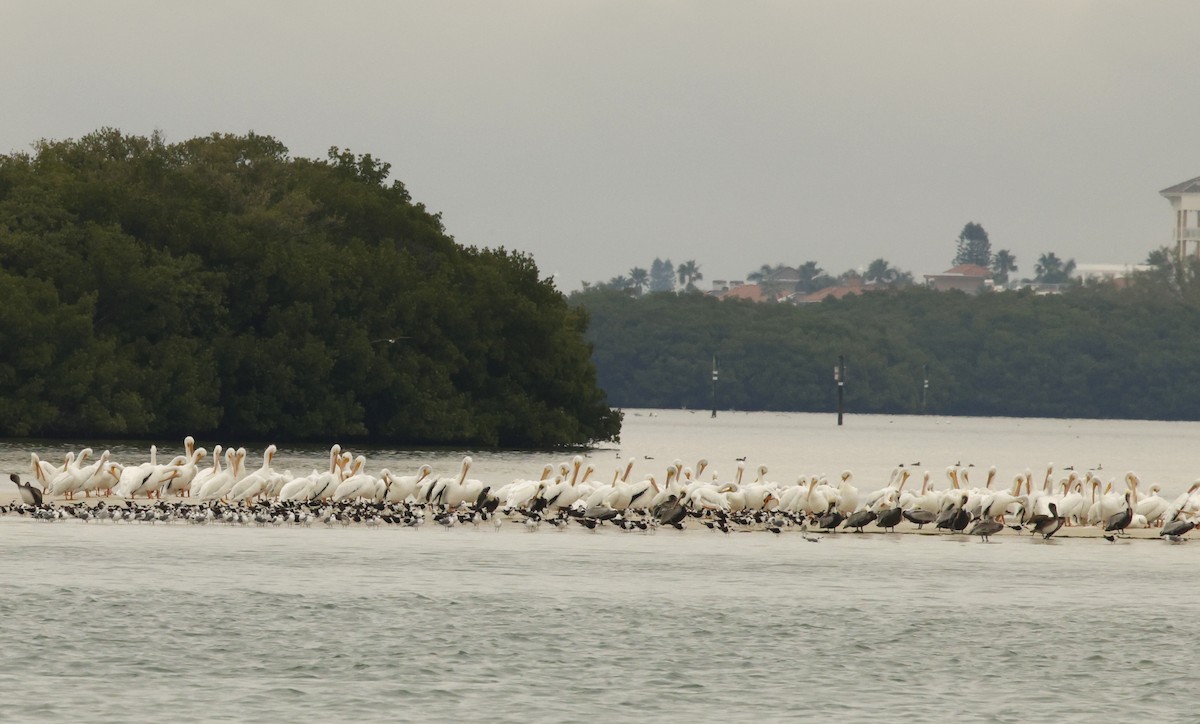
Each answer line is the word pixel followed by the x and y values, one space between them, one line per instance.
pixel 753 292
pixel 853 286
pixel 784 278
pixel 722 285
pixel 1185 201
pixel 969 278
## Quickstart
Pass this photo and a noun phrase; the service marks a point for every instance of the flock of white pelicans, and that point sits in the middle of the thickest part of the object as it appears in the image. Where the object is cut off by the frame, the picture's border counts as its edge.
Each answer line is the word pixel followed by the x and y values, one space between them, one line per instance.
pixel 229 489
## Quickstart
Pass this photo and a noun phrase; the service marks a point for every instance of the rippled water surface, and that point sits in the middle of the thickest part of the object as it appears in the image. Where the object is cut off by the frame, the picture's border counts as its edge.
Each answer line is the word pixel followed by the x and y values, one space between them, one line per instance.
pixel 120 622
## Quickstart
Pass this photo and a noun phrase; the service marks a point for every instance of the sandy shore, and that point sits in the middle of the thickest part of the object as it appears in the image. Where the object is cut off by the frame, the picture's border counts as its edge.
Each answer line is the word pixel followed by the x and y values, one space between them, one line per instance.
pixel 905 528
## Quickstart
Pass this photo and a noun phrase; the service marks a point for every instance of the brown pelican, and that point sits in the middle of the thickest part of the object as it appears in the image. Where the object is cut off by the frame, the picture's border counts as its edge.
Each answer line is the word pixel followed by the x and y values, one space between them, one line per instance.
pixel 29 494
pixel 1047 526
pixel 1176 529
pixel 889 518
pixel 985 528
pixel 860 518
pixel 1119 521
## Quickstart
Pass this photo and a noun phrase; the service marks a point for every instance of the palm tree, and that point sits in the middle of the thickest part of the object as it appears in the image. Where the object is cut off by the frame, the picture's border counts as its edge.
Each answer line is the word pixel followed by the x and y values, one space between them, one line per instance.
pixel 1052 270
pixel 639 278
pixel 689 273
pixel 763 272
pixel 1003 262
pixel 881 272
pixel 809 272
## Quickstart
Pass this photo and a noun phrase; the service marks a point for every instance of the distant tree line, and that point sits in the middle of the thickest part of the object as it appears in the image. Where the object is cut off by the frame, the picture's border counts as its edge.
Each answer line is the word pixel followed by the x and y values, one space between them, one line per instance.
pixel 973 246
pixel 220 286
pixel 1095 351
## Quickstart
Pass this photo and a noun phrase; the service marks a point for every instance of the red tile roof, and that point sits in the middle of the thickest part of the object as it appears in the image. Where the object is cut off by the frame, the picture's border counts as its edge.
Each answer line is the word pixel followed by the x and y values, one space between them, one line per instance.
pixel 753 292
pixel 966 270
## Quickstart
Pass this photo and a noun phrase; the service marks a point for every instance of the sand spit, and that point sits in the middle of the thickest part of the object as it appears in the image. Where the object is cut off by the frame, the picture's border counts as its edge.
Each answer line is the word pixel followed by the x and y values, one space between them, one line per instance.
pixel 514 523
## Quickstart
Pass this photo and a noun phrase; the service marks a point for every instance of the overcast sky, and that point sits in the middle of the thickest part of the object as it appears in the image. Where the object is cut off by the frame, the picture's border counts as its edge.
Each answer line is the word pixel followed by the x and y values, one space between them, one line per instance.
pixel 599 135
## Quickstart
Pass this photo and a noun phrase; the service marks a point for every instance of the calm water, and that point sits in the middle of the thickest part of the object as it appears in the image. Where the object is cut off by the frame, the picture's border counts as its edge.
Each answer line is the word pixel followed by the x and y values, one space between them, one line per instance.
pixel 184 623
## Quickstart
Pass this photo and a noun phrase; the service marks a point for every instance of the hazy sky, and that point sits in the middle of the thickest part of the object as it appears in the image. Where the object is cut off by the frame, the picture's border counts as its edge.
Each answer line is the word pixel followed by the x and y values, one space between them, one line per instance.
pixel 599 135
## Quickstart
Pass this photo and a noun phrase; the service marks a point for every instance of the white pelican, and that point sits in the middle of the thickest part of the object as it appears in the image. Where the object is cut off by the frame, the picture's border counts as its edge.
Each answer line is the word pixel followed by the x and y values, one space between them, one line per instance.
pixel 255 483
pixel 202 476
pixel 43 472
pixel 995 505
pixel 404 487
pixel 1153 507
pixel 133 475
pixel 181 484
pixel 848 494
pixel 208 487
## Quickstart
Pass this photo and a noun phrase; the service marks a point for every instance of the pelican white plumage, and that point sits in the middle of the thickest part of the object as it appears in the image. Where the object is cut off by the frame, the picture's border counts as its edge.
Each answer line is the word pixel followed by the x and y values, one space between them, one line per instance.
pixel 600 492
pixel 448 490
pixel 202 476
pixel 930 500
pixel 63 476
pixel 1107 504
pixel 181 484
pixel 847 494
pixel 104 479
pixel 159 477
pixel 1070 507
pixel 640 494
pixel 571 488
pixel 209 487
pixel 818 497
pixel 1182 502
pixel 1153 507
pixel 43 472
pixel 791 498
pixel 404 487
pixel 76 477
pixel 995 505
pixel 870 500
pixel 254 483
pixel 671 486
pixel 325 483
pixel 299 487
pixel 133 475
pixel 233 473
pixel 361 486
pixel 705 496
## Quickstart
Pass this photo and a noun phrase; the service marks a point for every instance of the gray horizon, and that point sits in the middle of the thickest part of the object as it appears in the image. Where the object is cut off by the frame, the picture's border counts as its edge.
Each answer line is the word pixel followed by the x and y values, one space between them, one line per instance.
pixel 596 136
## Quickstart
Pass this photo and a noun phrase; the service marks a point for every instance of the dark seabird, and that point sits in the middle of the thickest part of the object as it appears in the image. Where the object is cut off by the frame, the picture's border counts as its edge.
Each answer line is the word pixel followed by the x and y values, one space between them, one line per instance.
pixel 600 512
pixel 889 518
pixel 29 494
pixel 985 528
pixel 960 521
pixel 1176 528
pixel 953 519
pixel 920 517
pixel 860 518
pixel 1048 525
pixel 1118 522
pixel 670 511
pixel 487 502
pixel 831 520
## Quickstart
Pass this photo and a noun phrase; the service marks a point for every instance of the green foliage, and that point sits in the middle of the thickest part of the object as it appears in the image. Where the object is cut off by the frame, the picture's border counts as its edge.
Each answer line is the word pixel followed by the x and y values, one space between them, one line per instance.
pixel 1052 270
pixel 639 278
pixel 689 274
pixel 662 276
pixel 1003 262
pixel 973 246
pixel 1095 351
pixel 220 286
